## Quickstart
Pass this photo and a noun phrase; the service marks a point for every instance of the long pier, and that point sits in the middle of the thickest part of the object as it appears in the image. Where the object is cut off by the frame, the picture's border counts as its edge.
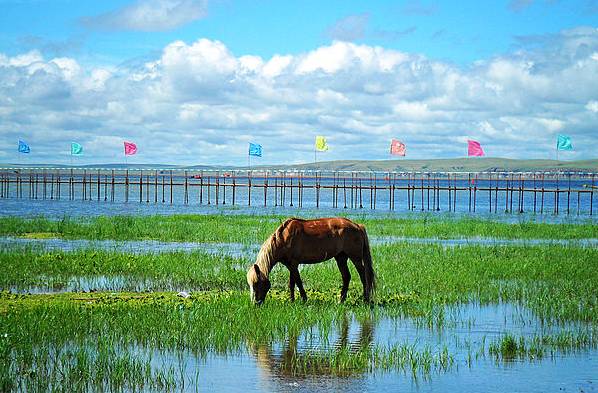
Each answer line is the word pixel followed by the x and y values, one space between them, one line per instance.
pixel 492 192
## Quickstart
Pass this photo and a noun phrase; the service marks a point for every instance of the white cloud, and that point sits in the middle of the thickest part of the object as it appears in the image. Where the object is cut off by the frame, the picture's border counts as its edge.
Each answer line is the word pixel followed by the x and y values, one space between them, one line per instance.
pixel 592 106
pixel 202 101
pixel 149 15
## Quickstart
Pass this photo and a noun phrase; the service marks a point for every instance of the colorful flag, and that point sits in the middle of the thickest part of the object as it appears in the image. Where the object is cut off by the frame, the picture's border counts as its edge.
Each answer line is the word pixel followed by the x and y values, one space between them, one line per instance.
pixel 130 148
pixel 563 142
pixel 397 148
pixel 255 149
pixel 321 144
pixel 474 148
pixel 76 149
pixel 24 148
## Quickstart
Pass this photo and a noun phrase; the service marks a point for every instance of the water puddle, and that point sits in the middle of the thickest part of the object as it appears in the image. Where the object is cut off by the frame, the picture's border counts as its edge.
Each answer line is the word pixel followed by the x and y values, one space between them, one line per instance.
pixel 485 241
pixel 249 250
pixel 293 365
pixel 235 250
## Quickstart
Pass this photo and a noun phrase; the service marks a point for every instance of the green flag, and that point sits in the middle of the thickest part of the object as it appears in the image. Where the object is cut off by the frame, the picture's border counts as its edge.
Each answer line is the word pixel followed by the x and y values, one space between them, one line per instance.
pixel 563 142
pixel 76 149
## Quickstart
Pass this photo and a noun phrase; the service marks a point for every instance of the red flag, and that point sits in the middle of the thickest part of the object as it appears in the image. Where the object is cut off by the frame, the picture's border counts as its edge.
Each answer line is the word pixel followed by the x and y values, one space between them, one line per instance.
pixel 130 148
pixel 474 148
pixel 397 148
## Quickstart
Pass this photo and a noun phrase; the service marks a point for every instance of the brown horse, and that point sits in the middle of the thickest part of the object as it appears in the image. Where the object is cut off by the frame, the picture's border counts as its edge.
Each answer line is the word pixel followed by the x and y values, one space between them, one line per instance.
pixel 298 241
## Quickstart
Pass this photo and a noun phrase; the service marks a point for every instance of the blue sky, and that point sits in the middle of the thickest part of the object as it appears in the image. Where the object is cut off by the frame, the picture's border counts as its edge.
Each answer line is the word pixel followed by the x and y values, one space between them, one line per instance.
pixel 207 76
pixel 460 32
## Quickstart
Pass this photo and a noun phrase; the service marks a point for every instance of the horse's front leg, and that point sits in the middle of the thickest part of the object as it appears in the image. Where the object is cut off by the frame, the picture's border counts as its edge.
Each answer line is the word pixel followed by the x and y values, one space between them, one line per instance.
pixel 291 281
pixel 292 286
pixel 295 275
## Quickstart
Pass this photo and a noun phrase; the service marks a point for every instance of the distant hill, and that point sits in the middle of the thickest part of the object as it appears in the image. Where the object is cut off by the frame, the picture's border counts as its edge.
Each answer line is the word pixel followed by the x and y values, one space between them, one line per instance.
pixel 478 164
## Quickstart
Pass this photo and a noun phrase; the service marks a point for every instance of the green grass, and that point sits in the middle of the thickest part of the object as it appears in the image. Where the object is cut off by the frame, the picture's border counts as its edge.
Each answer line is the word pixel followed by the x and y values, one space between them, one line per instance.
pixel 255 229
pixel 557 282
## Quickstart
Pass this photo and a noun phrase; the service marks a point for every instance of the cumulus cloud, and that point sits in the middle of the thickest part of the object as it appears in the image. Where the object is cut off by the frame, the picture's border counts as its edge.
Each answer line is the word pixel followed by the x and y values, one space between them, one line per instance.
pixel 149 15
pixel 198 103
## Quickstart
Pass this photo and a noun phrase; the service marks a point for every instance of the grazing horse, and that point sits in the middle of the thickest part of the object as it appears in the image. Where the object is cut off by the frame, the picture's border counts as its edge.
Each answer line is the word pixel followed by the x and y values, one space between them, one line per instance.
pixel 298 241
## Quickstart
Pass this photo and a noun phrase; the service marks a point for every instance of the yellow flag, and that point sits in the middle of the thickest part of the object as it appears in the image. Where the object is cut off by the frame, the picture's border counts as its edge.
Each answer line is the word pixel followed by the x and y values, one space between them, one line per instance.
pixel 321 144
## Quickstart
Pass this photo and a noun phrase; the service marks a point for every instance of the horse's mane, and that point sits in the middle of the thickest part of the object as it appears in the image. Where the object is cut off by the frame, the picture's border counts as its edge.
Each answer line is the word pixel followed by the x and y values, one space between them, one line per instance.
pixel 265 257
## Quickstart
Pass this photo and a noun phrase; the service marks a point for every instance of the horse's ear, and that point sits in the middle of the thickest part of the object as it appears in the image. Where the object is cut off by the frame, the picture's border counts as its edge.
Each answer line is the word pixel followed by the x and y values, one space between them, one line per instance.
pixel 256 268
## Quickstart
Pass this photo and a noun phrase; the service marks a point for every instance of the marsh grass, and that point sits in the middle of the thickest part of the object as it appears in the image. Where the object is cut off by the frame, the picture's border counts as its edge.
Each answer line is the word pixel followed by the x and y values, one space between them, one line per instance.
pixel 255 229
pixel 556 282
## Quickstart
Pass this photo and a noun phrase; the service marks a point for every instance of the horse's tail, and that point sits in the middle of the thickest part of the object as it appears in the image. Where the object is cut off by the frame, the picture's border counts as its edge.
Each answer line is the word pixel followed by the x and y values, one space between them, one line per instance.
pixel 370 276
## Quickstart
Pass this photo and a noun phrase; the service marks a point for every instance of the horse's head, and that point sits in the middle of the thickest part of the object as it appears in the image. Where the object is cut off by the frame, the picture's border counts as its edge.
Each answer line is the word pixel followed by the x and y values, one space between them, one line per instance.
pixel 259 284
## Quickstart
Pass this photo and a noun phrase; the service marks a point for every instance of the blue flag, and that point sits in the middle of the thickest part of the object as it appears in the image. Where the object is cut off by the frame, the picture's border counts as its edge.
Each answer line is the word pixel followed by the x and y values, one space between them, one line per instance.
pixel 76 149
pixel 255 149
pixel 563 142
pixel 24 148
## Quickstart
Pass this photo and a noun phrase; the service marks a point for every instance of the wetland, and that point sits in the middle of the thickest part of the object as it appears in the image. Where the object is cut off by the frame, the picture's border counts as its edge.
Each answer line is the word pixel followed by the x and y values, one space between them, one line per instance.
pixel 495 315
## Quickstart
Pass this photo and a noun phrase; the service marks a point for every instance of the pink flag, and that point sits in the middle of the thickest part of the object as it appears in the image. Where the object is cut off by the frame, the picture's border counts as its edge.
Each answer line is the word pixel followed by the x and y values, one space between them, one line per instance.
pixel 474 148
pixel 130 148
pixel 397 148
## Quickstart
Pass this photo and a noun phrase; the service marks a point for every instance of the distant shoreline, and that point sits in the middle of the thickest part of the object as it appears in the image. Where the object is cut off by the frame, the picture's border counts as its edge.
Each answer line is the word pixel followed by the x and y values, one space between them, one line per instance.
pixel 478 164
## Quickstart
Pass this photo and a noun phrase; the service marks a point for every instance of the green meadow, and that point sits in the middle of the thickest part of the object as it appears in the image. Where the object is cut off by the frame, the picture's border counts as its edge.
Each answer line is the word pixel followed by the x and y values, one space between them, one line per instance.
pixel 256 228
pixel 118 339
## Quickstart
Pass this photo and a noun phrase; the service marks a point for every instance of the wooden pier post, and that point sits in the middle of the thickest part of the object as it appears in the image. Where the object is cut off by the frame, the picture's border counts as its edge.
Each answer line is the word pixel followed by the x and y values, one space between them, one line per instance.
pixel 112 190
pixel 127 186
pixel 542 196
pixel 84 186
pixel 249 189
pixel 345 190
pixel 217 188
pixel 171 189
pixel 266 189
pixel 234 187
pixel 556 196
pixel 535 191
pixel 140 186
pixel 209 193
pixel 201 188
pixel 291 189
pixel 475 191
pixel 375 189
pixel 186 193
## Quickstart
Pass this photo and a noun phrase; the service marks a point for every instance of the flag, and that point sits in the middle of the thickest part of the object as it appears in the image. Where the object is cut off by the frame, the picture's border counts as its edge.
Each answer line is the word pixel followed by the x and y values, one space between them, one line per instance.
pixel 321 144
pixel 130 148
pixel 563 142
pixel 474 148
pixel 24 148
pixel 255 149
pixel 397 148
pixel 76 149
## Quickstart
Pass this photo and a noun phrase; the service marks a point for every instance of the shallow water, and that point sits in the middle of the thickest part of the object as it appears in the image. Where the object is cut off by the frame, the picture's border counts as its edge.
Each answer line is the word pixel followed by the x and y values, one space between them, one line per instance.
pixel 249 250
pixel 267 368
pixel 60 208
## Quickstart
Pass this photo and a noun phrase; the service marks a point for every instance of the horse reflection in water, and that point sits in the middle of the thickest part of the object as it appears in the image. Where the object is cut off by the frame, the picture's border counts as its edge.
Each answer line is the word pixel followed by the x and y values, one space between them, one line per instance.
pixel 295 362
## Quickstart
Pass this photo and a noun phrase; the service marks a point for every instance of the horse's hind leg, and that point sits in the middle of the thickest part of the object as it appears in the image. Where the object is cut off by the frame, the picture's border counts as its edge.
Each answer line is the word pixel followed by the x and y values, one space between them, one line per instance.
pixel 297 278
pixel 358 263
pixel 341 262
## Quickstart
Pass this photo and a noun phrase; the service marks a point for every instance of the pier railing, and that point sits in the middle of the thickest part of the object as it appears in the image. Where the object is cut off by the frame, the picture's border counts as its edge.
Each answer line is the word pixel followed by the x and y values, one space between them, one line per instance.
pixel 509 192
